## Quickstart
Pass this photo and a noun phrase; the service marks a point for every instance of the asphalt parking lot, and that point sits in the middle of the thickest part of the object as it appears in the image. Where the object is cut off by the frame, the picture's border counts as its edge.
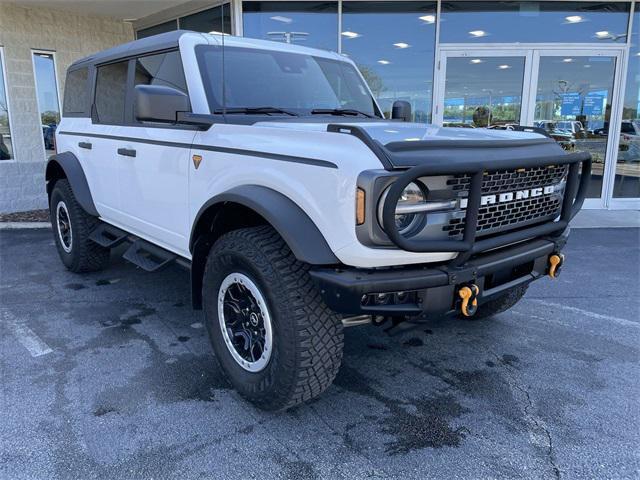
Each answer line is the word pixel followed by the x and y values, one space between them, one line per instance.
pixel 110 375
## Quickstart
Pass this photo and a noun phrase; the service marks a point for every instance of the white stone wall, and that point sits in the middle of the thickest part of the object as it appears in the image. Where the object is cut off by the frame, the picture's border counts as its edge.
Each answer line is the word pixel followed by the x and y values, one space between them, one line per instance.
pixel 71 37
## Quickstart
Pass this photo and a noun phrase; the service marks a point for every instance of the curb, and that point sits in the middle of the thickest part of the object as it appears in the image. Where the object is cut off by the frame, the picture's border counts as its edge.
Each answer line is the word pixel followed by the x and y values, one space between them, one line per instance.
pixel 23 225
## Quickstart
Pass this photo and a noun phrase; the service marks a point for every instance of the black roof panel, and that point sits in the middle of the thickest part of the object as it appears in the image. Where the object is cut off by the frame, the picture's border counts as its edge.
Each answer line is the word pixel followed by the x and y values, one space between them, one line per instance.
pixel 137 47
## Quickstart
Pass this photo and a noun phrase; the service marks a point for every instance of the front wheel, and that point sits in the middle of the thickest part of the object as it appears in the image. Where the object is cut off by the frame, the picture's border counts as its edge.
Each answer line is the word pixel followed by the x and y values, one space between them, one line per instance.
pixel 274 338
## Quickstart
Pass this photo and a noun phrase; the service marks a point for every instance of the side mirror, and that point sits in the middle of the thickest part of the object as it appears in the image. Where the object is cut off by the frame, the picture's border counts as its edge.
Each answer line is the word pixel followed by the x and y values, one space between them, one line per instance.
pixel 401 110
pixel 157 103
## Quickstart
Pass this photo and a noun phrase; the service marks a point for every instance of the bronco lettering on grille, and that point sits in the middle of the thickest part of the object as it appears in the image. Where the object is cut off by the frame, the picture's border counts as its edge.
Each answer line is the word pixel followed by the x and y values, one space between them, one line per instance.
pixel 511 196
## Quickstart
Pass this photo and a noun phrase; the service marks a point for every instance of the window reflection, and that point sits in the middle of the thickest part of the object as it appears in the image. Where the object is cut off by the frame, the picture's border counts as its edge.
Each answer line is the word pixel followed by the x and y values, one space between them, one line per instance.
pixel 47 90
pixel 157 29
pixel 509 21
pixel 627 181
pixel 312 24
pixel 6 148
pixel 213 20
pixel 573 103
pixel 393 45
pixel 483 92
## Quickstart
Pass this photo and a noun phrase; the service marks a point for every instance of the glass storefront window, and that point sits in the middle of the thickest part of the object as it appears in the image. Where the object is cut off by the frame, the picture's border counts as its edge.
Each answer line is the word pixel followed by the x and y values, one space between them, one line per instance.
pixel 534 22
pixel 627 181
pixel 47 91
pixel 6 148
pixel 483 92
pixel 311 24
pixel 573 103
pixel 213 20
pixel 157 29
pixel 393 45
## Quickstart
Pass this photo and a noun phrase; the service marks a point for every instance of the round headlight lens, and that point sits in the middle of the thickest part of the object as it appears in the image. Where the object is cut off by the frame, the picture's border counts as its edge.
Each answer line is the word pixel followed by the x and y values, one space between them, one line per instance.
pixel 413 194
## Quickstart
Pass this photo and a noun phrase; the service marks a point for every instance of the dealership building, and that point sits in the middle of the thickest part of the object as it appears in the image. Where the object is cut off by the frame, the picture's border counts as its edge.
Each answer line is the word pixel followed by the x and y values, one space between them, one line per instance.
pixel 571 68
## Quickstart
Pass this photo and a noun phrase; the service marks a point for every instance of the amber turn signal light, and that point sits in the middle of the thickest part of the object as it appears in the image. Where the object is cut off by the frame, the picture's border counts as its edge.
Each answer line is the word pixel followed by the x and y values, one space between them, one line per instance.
pixel 360 201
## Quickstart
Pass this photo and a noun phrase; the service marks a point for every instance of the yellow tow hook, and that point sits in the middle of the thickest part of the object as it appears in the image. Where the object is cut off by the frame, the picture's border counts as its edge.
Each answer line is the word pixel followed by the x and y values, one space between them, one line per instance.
pixel 469 295
pixel 555 264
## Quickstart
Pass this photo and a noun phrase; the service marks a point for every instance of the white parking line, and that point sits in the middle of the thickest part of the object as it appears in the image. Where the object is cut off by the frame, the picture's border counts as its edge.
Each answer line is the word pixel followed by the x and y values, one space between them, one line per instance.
pixel 620 321
pixel 26 336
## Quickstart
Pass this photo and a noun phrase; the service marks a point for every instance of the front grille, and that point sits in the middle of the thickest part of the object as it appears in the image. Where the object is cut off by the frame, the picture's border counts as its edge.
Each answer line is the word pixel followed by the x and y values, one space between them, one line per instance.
pixel 498 217
pixel 509 180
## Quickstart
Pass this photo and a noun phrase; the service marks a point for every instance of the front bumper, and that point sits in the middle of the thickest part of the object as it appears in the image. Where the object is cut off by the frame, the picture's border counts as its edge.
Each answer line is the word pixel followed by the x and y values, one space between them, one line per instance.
pixel 434 288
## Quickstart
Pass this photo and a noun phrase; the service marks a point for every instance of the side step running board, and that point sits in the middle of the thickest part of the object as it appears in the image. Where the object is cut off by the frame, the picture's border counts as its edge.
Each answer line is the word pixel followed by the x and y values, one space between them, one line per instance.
pixel 107 235
pixel 147 256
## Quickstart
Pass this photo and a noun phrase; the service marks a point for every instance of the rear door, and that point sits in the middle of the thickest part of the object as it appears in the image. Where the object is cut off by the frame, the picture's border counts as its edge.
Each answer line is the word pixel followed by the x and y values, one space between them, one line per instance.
pixel 153 160
pixel 107 117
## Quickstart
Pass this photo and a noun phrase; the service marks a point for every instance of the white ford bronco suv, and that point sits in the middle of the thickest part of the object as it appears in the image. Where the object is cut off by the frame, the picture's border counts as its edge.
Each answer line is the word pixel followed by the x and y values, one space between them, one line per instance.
pixel 270 172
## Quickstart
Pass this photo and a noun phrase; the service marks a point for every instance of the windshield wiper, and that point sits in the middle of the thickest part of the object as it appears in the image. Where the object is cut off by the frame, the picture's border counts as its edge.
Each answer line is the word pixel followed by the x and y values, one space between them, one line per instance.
pixel 339 111
pixel 258 110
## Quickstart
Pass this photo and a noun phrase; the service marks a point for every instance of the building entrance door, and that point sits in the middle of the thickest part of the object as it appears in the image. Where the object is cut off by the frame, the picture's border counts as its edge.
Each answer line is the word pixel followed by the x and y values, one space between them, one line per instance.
pixel 571 93
pixel 483 89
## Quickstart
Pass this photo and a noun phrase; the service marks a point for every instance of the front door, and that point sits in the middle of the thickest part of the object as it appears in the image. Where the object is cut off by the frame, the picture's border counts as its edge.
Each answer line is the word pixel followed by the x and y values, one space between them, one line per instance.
pixel 569 93
pixel 154 161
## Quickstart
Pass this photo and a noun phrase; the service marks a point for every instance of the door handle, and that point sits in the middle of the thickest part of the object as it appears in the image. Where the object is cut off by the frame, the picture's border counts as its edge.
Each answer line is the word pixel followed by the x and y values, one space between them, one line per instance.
pixel 86 145
pixel 127 152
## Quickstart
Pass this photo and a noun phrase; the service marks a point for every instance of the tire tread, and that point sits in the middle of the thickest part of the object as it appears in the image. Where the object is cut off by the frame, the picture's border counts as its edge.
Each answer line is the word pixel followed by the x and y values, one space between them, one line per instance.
pixel 88 255
pixel 318 336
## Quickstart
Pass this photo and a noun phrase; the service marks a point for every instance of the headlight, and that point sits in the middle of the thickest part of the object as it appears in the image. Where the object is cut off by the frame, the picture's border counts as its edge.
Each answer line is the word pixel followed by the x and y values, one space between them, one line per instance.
pixel 413 196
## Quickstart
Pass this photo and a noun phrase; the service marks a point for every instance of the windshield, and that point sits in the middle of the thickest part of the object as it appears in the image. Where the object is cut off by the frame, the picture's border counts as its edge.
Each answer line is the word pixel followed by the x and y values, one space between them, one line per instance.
pixel 293 82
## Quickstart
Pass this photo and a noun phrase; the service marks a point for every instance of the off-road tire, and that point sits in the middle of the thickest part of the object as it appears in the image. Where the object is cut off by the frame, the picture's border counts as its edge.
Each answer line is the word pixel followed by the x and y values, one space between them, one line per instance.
pixel 84 255
pixel 307 336
pixel 500 304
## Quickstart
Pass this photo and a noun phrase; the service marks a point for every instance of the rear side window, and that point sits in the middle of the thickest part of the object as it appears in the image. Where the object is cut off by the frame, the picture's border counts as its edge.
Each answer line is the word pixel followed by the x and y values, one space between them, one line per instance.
pixel 111 87
pixel 161 69
pixel 76 92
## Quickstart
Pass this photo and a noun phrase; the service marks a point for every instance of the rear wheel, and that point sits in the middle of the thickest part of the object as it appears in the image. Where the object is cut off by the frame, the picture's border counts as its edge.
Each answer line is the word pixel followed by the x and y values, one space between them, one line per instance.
pixel 501 304
pixel 274 338
pixel 71 228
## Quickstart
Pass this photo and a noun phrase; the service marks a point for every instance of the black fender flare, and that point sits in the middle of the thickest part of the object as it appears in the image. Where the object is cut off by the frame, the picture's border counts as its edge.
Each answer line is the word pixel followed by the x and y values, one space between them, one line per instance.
pixel 72 169
pixel 296 228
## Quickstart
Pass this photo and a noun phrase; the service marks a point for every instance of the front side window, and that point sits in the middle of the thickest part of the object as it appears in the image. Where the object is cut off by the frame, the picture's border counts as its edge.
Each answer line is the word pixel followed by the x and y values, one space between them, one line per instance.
pixel 296 82
pixel 161 69
pixel 6 148
pixel 76 92
pixel 111 87
pixel 47 91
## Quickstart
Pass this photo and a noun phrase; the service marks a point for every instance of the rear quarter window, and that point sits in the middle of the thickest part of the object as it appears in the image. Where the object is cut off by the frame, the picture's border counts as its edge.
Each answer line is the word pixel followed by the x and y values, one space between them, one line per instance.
pixel 76 93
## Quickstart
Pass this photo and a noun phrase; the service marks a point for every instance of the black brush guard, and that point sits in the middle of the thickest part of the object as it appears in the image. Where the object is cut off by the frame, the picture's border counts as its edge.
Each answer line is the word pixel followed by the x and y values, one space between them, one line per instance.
pixel 574 195
pixel 343 289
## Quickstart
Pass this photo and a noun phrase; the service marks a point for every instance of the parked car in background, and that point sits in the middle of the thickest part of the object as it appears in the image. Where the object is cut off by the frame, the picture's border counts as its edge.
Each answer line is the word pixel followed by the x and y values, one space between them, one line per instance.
pixel 547 125
pixel 4 149
pixel 565 138
pixel 574 127
pixel 629 146
pixel 49 136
